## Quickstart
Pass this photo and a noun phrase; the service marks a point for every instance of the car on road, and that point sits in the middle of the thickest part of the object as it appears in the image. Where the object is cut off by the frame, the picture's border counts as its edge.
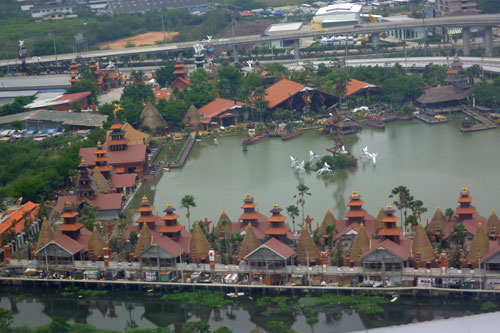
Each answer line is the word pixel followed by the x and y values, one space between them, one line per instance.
pixel 223 39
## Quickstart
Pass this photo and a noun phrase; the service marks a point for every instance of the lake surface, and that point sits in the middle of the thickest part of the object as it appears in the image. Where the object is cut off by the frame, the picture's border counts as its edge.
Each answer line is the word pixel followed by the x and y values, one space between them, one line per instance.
pixel 121 310
pixel 433 161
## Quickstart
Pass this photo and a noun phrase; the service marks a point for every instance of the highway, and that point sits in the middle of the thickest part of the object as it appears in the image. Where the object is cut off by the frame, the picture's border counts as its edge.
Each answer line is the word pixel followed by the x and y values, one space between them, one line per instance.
pixel 469 21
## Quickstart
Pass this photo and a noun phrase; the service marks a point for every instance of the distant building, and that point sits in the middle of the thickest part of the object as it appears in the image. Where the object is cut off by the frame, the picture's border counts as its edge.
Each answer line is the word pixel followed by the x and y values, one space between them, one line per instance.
pixel 133 6
pixel 281 28
pixel 337 15
pixel 53 12
pixel 455 7
pixel 62 102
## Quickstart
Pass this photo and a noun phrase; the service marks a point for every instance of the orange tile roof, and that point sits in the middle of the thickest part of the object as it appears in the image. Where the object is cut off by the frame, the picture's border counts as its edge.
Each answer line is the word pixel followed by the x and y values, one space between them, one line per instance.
pixel 465 210
pixel 180 71
pixel 217 107
pixel 465 199
pixel 277 218
pixel 452 71
pixel 353 86
pixel 16 219
pixel 281 91
pixel 118 142
pixel 249 216
pixel 355 213
pixel 170 217
pixel 71 227
pixel 116 126
pixel 69 214
pixel 277 231
pixel 390 232
pixel 390 219
pixel 171 228
pixel 355 203
pixel 146 208
pixel 146 219
pixel 249 205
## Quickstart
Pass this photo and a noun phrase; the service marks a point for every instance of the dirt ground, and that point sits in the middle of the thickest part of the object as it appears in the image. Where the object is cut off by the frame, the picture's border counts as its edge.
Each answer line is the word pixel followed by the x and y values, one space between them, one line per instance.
pixel 148 38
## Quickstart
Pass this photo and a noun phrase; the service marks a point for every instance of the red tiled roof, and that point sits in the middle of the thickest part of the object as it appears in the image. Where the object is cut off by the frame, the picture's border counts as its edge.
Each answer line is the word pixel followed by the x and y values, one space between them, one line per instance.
pixel 73 97
pixel 217 107
pixel 146 219
pixel 390 232
pixel 16 218
pixel 390 219
pixel 494 248
pixel 281 91
pixel 246 13
pixel 126 180
pixel 67 243
pixel 277 247
pixel 132 155
pixel 465 199
pixel 148 208
pixel 170 217
pixel 167 244
pixel 278 231
pixel 277 218
pixel 107 201
pixel 465 210
pixel 402 250
pixel 355 203
pixel 452 71
pixel 180 83
pixel 353 86
pixel 69 214
pixel 249 205
pixel 249 216
pixel 343 228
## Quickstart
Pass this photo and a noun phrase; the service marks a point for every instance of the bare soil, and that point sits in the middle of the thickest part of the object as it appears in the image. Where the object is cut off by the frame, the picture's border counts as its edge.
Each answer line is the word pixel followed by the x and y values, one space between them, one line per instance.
pixel 148 38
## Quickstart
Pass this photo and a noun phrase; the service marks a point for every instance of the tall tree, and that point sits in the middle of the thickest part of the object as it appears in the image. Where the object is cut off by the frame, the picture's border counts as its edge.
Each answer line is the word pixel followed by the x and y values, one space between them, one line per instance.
pixel 187 202
pixel 165 75
pixel 402 193
pixel 303 191
pixel 293 212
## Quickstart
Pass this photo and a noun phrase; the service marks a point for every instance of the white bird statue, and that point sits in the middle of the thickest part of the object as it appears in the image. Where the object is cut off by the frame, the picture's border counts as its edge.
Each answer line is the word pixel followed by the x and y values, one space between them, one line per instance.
pixel 312 156
pixel 343 151
pixel 294 162
pixel 373 157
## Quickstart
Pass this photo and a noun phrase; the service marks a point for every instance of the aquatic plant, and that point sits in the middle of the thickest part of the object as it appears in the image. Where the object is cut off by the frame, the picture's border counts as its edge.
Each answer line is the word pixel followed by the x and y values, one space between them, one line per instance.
pixel 312 320
pixel 488 306
pixel 276 305
pixel 360 303
pixel 278 327
pixel 206 298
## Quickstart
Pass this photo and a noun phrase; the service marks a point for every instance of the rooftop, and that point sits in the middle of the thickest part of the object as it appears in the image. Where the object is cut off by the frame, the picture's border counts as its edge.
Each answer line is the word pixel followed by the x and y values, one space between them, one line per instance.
pixel 284 27
pixel 85 119
pixel 339 8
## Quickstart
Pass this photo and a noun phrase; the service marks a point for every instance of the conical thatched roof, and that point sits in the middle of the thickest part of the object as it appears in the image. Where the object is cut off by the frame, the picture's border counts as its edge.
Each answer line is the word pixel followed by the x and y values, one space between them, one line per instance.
pixel 306 250
pixel 224 226
pixel 438 221
pixel 45 235
pixel 96 244
pixel 361 245
pixel 493 222
pixel 326 220
pixel 198 246
pixel 192 117
pixel 378 220
pixel 145 240
pixel 421 247
pixel 479 246
pixel 249 244
pixel 151 117
pixel 101 183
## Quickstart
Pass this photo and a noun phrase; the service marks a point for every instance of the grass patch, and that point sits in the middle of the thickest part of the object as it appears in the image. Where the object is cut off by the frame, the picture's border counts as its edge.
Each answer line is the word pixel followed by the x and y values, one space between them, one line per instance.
pixel 204 298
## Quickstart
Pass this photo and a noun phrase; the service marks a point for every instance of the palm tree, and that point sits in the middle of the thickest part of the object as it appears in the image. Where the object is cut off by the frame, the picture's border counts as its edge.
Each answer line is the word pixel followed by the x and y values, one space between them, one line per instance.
pixel 303 191
pixel 404 199
pixel 293 212
pixel 188 202
pixel 330 228
pixel 448 213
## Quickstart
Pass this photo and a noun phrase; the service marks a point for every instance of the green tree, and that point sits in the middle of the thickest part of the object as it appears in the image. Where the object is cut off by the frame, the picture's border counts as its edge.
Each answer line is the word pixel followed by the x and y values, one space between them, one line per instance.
pixel 165 75
pixel 137 76
pixel 331 227
pixel 278 327
pixel 402 193
pixel 222 329
pixel 229 80
pixel 293 212
pixel 17 125
pixel 85 85
pixel 133 238
pixel 449 212
pixel 138 93
pixel 459 234
pixel 187 202
pixel 434 75
pixel 456 259
pixel 76 107
pixel 303 191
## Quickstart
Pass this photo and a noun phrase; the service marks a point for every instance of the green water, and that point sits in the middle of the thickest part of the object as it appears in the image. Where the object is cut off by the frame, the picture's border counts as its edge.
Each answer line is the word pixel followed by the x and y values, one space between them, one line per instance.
pixel 434 161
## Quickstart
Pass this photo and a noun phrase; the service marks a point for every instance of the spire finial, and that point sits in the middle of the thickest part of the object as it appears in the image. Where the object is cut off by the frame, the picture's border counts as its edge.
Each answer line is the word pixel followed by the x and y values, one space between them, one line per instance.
pixel 464 189
pixel 67 203
pixel 169 205
pixel 389 207
pixel 83 161
pixel 144 198
pixel 354 193
pixel 248 196
pixel 275 205
pixel 304 227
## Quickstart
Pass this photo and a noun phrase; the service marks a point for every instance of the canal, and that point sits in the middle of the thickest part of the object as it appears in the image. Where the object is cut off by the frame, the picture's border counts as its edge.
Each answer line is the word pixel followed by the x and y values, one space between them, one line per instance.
pixel 433 161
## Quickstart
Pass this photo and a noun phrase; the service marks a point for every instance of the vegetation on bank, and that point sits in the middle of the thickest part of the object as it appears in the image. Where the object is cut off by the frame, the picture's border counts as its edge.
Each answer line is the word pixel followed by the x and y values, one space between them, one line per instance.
pixel 36 170
pixel 204 298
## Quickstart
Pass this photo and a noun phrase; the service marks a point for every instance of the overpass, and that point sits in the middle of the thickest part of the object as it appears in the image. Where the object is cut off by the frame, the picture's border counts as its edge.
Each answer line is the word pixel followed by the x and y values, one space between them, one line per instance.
pixel 465 22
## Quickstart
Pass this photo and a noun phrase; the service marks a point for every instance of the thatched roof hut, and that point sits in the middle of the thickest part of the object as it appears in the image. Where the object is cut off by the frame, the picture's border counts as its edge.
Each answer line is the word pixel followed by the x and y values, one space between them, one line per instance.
pixel 361 245
pixel 96 245
pixel 443 94
pixel 378 220
pixel 151 117
pixel 479 246
pixel 101 183
pixel 249 244
pixel 438 222
pixel 45 236
pixel 329 218
pixel 198 246
pixel 307 251
pixel 145 240
pixel 224 226
pixel 493 224
pixel 421 247
pixel 192 117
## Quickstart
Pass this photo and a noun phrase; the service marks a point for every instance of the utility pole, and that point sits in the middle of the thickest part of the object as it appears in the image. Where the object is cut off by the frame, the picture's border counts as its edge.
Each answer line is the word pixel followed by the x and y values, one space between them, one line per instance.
pixel 54 41
pixel 404 46
pixel 163 27
pixel 425 36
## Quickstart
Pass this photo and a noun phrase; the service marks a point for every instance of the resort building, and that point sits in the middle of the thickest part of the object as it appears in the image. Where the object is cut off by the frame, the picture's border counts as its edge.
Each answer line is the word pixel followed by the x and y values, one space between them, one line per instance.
pixel 152 119
pixel 62 102
pixel 277 227
pixel 221 112
pixel 250 216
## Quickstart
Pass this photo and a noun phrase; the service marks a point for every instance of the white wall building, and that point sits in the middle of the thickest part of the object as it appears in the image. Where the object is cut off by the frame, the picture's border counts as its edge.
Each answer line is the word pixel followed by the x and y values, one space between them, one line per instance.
pixel 336 15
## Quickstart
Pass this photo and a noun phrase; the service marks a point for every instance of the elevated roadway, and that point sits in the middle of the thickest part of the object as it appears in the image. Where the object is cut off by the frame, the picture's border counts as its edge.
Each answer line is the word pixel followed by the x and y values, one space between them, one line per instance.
pixel 470 21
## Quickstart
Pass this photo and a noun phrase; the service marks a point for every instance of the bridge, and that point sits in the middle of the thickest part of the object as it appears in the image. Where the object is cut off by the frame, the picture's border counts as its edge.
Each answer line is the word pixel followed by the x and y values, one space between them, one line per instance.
pixel 464 22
